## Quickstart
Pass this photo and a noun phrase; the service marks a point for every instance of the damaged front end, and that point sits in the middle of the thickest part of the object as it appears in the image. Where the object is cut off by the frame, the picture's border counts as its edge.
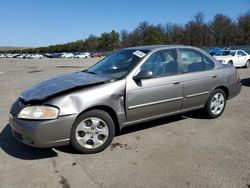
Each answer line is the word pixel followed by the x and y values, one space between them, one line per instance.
pixel 71 94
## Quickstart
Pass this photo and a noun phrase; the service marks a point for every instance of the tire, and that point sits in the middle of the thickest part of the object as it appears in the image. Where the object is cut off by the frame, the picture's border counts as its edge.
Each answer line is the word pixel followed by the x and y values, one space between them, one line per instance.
pixel 92 132
pixel 230 62
pixel 216 103
pixel 247 64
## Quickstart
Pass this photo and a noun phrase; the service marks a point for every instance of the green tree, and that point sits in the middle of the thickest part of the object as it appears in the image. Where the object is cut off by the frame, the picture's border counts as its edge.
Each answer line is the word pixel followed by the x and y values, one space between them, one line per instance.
pixel 91 43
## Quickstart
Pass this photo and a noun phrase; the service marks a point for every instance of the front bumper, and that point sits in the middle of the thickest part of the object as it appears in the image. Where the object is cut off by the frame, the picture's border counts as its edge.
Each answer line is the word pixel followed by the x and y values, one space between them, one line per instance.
pixel 45 133
pixel 234 90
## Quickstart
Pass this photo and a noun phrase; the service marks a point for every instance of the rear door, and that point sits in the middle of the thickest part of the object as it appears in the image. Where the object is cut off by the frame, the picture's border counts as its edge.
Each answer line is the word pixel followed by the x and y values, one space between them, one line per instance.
pixel 199 77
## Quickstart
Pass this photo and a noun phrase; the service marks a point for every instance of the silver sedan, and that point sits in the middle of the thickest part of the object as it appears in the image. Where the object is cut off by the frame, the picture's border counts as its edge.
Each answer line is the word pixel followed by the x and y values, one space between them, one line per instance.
pixel 132 85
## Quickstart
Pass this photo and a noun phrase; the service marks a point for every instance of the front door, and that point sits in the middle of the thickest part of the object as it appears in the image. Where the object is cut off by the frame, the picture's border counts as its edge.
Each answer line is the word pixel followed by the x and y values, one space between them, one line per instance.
pixel 159 95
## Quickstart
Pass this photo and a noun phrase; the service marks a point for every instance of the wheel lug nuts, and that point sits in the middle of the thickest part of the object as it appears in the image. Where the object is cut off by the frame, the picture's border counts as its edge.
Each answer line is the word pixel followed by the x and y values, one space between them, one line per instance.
pixel 96 132
pixel 91 137
pixel 92 128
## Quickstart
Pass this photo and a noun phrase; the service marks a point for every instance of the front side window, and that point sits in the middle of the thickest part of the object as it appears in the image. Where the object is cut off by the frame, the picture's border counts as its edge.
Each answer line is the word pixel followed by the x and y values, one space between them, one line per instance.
pixel 162 63
pixel 119 63
pixel 194 61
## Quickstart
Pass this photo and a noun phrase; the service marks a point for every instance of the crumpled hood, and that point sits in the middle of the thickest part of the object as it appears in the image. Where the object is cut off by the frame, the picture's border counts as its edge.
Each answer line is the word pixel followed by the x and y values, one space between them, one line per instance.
pixel 60 84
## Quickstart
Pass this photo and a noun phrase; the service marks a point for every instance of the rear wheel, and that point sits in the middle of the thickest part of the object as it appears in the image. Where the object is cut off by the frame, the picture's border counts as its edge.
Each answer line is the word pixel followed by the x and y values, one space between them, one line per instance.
pixel 247 64
pixel 216 103
pixel 92 132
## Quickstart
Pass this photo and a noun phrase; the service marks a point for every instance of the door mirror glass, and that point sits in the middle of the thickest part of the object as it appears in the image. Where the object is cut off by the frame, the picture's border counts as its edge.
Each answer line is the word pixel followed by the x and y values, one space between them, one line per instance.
pixel 144 74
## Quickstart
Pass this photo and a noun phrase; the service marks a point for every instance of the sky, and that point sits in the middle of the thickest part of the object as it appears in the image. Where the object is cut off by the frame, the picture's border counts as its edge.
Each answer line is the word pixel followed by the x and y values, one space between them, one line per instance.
pixel 35 23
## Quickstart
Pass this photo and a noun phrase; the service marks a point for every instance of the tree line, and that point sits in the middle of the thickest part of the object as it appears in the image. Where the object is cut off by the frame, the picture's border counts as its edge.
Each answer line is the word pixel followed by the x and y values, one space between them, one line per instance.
pixel 221 30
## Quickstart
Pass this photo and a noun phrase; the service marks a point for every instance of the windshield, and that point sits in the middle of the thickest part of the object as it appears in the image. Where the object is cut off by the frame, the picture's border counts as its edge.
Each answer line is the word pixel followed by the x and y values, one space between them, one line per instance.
pixel 226 53
pixel 119 63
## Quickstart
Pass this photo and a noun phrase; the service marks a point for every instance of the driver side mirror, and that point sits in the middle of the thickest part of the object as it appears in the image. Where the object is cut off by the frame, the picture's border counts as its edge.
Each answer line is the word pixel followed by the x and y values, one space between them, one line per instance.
pixel 145 74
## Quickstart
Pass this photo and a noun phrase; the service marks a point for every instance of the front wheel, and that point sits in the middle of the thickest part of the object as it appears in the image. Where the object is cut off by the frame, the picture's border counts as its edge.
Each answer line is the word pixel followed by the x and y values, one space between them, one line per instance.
pixel 92 132
pixel 216 103
pixel 230 62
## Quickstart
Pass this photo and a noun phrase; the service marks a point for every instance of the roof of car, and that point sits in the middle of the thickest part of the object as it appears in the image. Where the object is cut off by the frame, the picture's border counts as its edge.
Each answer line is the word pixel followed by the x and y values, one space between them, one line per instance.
pixel 157 47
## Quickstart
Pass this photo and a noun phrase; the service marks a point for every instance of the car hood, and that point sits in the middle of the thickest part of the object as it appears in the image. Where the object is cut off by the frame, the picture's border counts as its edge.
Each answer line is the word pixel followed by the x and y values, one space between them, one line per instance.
pixel 60 84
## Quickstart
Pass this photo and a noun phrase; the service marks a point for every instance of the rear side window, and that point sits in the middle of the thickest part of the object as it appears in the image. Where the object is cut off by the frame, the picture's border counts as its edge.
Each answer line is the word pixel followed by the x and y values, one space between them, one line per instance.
pixel 194 61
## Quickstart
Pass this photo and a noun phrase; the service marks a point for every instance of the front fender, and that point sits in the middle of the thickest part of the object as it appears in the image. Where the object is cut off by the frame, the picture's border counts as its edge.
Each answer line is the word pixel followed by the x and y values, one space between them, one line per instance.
pixel 108 94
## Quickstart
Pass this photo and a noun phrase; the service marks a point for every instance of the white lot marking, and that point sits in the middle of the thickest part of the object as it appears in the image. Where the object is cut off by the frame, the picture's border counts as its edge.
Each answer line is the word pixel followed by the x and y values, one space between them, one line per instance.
pixel 1 72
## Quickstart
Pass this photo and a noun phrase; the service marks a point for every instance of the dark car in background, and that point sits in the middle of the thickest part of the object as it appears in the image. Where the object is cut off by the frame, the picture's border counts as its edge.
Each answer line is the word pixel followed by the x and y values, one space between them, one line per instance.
pixel 56 55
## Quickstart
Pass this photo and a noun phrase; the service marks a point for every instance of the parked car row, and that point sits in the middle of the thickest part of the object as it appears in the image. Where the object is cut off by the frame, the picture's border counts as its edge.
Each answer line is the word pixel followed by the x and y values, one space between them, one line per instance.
pixel 52 55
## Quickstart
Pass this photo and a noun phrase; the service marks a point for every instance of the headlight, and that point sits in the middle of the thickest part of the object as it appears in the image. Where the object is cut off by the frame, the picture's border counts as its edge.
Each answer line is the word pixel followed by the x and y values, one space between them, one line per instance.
pixel 39 112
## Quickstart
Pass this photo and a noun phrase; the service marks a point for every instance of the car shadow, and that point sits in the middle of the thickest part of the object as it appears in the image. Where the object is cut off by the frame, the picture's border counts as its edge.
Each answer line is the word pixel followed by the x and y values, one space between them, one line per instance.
pixel 130 129
pixel 150 124
pixel 245 82
pixel 18 150
pixel 21 151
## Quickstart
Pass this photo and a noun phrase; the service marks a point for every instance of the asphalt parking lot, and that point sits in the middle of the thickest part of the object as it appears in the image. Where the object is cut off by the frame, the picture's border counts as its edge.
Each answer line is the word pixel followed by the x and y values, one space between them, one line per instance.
pixel 181 151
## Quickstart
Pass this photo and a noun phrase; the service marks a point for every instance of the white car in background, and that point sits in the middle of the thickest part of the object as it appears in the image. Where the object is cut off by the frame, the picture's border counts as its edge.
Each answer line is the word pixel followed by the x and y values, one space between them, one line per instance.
pixel 21 56
pixel 67 55
pixel 35 56
pixel 82 55
pixel 238 58
pixel 11 55
pixel 2 55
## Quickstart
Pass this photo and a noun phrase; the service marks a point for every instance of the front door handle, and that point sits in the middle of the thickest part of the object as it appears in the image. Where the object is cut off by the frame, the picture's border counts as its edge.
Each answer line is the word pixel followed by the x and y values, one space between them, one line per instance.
pixel 214 76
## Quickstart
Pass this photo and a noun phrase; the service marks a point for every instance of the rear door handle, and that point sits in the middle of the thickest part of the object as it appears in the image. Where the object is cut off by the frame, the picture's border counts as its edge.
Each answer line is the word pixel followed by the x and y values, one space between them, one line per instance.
pixel 214 76
pixel 176 82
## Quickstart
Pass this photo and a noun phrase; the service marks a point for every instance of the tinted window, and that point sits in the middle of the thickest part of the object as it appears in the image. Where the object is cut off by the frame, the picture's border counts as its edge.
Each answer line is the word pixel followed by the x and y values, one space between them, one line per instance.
pixel 193 61
pixel 162 63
